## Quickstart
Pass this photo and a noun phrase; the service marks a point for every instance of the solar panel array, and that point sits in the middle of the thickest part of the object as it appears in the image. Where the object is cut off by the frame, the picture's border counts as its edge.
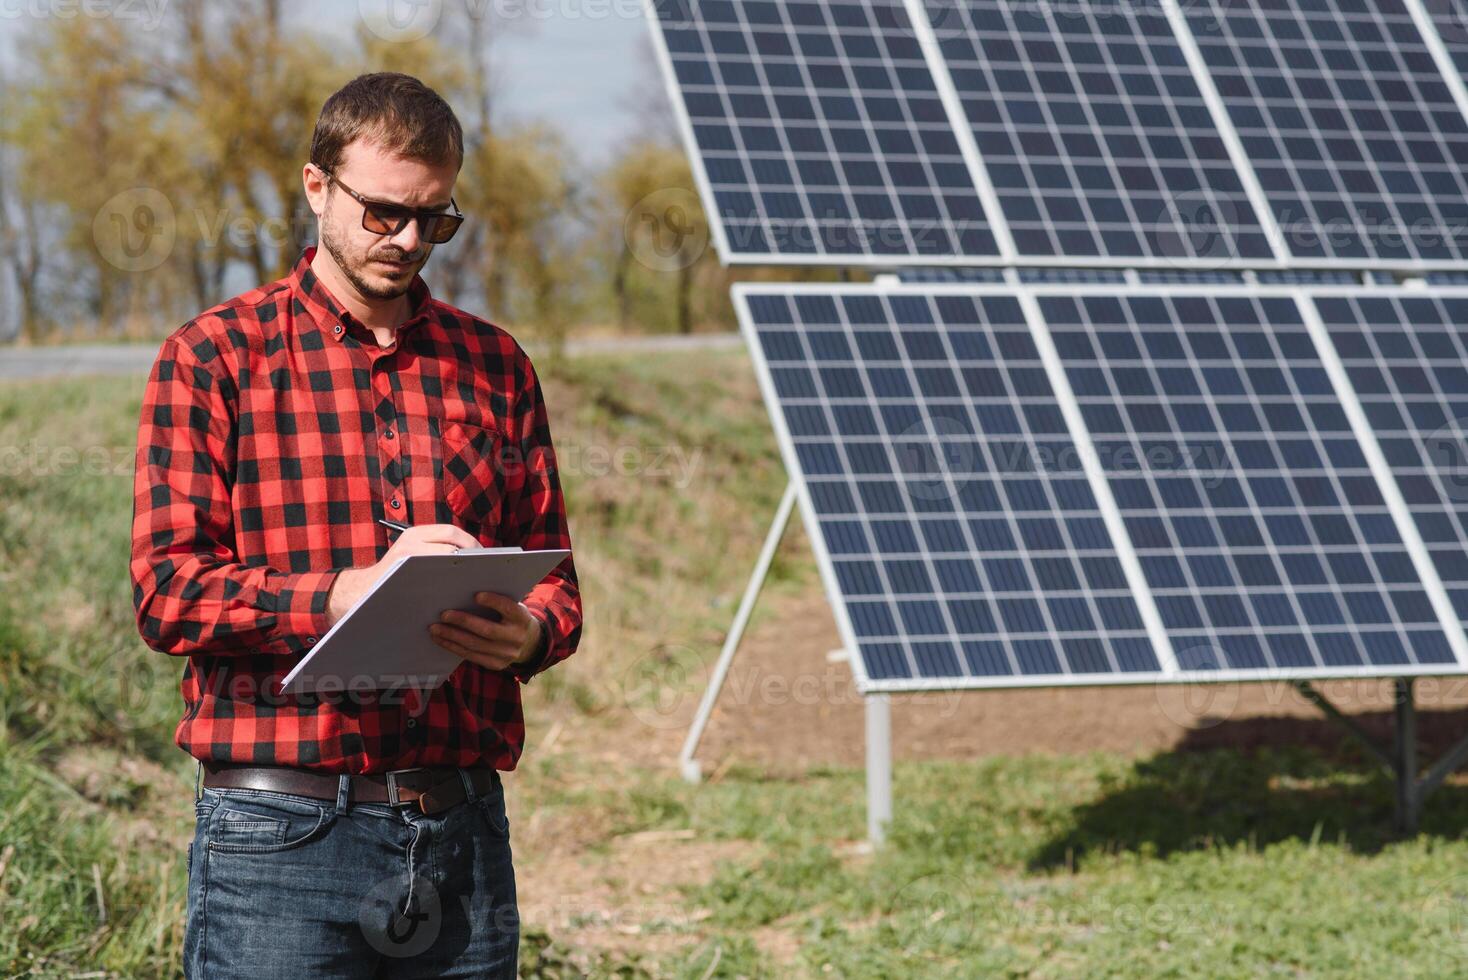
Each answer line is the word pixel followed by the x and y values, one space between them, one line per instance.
pixel 1141 406
pixel 1216 134
pixel 967 543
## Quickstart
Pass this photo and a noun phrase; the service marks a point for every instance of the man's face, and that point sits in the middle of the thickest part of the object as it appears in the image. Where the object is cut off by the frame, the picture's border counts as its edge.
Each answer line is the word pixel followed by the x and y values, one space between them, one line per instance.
pixel 380 267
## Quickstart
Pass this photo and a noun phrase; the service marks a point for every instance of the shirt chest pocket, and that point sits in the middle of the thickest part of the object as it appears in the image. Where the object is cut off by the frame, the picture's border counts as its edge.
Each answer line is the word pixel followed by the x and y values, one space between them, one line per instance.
pixel 472 479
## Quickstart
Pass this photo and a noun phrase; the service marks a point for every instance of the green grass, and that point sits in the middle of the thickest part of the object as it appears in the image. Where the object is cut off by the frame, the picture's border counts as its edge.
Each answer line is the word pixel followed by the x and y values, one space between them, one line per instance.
pixel 1190 864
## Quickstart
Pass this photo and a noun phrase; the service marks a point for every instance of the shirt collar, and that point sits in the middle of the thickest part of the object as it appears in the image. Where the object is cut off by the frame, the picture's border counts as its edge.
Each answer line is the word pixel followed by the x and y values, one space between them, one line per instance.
pixel 324 309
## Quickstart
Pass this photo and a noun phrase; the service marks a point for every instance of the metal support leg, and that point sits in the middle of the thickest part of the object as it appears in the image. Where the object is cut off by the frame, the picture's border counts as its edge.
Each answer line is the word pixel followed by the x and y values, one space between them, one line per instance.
pixel 687 764
pixel 1408 792
pixel 1408 797
pixel 879 767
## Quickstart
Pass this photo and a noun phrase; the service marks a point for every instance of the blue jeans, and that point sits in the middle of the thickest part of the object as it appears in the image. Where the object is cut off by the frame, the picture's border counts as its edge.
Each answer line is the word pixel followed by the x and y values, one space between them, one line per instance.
pixel 289 886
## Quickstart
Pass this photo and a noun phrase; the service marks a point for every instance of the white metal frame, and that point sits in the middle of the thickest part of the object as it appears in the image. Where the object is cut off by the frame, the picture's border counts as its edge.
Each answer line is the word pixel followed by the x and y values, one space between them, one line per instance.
pixel 687 763
pixel 877 711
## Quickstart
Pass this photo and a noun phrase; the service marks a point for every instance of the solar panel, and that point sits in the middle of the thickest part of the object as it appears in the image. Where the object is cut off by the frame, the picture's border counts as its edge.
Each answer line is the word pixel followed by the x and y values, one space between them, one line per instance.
pixel 923 274
pixel 1307 277
pixel 1353 130
pixel 1407 357
pixel 1195 276
pixel 962 540
pixel 1263 534
pixel 1094 132
pixel 1063 275
pixel 1055 274
pixel 964 543
pixel 818 131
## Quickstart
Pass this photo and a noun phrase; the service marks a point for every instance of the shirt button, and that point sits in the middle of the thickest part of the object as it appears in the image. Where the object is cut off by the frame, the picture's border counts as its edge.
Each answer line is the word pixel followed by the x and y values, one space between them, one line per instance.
pixel 388 434
pixel 337 328
pixel 394 503
pixel 412 722
pixel 310 639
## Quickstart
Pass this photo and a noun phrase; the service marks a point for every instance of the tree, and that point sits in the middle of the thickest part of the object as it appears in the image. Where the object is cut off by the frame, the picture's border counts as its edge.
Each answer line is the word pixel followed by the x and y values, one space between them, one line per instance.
pixel 659 232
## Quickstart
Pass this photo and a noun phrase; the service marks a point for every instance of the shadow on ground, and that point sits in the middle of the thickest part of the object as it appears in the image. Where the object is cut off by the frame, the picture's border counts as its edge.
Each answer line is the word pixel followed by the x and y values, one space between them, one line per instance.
pixel 1262 781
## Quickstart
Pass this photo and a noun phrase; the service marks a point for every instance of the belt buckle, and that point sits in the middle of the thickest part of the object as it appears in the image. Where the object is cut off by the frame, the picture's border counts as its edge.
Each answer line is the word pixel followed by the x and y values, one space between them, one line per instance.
pixel 392 784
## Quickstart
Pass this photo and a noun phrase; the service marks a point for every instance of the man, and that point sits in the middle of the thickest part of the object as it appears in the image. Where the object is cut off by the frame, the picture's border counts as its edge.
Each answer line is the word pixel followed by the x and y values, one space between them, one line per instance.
pixel 364 834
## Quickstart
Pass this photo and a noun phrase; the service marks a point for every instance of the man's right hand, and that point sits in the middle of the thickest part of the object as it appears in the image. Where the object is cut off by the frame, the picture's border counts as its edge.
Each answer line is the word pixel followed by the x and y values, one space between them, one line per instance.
pixel 420 539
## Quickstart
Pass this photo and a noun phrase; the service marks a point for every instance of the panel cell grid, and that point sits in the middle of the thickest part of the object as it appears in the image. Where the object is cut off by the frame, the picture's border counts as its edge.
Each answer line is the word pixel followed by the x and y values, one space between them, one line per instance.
pixel 962 533
pixel 1408 359
pixel 1094 132
pixel 820 130
pixel 1259 526
pixel 1348 122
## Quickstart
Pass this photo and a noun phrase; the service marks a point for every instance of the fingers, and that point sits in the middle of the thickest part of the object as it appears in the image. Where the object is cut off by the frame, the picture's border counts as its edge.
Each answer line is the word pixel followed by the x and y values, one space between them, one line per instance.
pixel 509 609
pixel 449 534
pixel 496 656
pixel 427 548
pixel 485 629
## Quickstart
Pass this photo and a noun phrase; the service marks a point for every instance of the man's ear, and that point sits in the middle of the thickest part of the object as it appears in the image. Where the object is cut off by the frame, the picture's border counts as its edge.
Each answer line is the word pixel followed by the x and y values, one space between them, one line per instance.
pixel 316 188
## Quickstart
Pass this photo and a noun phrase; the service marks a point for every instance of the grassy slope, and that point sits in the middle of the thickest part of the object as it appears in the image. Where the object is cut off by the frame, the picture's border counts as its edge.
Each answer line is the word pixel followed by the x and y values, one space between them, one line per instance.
pixel 1209 864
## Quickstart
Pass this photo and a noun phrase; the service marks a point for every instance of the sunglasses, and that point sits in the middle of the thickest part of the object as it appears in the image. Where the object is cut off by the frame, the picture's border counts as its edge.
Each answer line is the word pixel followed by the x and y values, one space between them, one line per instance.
pixel 386 218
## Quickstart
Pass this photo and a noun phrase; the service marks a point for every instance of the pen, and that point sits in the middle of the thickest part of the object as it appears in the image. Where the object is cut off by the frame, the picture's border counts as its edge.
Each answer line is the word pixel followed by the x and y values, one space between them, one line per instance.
pixel 392 524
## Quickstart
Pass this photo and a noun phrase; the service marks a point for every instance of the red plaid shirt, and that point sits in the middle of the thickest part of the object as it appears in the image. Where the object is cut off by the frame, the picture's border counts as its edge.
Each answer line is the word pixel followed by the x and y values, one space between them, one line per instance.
pixel 275 432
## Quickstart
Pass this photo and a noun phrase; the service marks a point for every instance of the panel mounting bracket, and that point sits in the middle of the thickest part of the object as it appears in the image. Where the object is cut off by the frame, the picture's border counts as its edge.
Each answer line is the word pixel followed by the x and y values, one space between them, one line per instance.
pixel 1400 759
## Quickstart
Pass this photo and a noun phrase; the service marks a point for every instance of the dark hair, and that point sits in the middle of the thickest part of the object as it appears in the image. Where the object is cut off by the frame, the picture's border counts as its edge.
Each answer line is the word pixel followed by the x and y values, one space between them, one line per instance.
pixel 391 109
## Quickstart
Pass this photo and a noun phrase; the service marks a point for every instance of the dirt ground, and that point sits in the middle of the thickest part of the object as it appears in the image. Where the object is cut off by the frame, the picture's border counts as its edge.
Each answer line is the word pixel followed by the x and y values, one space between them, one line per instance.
pixel 785 705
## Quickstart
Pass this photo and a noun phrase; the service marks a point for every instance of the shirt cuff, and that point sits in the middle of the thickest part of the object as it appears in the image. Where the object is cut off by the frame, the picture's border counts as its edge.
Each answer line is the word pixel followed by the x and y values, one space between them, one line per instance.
pixel 300 606
pixel 527 669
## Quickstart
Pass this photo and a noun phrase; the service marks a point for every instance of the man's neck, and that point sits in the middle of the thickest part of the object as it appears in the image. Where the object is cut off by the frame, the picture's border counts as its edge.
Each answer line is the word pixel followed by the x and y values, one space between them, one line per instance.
pixel 382 317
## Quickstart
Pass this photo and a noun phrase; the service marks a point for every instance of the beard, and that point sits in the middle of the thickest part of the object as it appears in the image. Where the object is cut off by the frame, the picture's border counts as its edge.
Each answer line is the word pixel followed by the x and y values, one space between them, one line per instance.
pixel 353 264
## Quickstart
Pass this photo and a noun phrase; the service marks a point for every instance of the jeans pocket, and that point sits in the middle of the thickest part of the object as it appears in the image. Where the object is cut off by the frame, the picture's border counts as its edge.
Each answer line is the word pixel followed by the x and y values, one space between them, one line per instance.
pixel 253 822
pixel 491 807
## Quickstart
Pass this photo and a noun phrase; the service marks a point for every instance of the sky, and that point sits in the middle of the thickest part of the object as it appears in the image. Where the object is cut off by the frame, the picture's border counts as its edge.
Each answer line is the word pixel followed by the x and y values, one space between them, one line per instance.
pixel 576 64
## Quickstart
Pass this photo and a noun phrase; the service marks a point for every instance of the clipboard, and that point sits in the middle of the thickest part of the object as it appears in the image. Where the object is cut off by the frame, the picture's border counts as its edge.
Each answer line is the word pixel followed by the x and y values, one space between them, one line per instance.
pixel 382 642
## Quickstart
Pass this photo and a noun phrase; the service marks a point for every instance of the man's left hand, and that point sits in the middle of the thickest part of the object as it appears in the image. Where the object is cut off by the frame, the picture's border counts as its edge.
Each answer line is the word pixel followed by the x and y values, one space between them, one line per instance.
pixel 494 644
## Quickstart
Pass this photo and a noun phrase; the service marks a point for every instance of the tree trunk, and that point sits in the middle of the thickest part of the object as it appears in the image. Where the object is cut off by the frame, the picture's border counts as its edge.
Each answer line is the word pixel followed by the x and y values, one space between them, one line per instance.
pixel 619 287
pixel 685 293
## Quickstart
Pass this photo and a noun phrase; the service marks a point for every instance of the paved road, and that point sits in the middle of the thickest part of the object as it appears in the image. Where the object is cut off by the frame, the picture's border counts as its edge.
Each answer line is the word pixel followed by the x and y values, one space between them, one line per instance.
pixel 18 363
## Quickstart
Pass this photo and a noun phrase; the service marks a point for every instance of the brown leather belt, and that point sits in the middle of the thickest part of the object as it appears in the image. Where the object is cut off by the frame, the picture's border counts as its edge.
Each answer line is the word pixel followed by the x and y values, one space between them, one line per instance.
pixel 434 789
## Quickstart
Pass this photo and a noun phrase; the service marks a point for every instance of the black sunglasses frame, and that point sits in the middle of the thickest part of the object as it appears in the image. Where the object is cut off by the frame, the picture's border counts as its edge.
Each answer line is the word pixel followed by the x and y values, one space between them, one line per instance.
pixel 397 216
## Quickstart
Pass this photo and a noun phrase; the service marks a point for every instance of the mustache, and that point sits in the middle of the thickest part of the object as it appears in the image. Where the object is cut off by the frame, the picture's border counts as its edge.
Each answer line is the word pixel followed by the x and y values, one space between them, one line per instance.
pixel 397 256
